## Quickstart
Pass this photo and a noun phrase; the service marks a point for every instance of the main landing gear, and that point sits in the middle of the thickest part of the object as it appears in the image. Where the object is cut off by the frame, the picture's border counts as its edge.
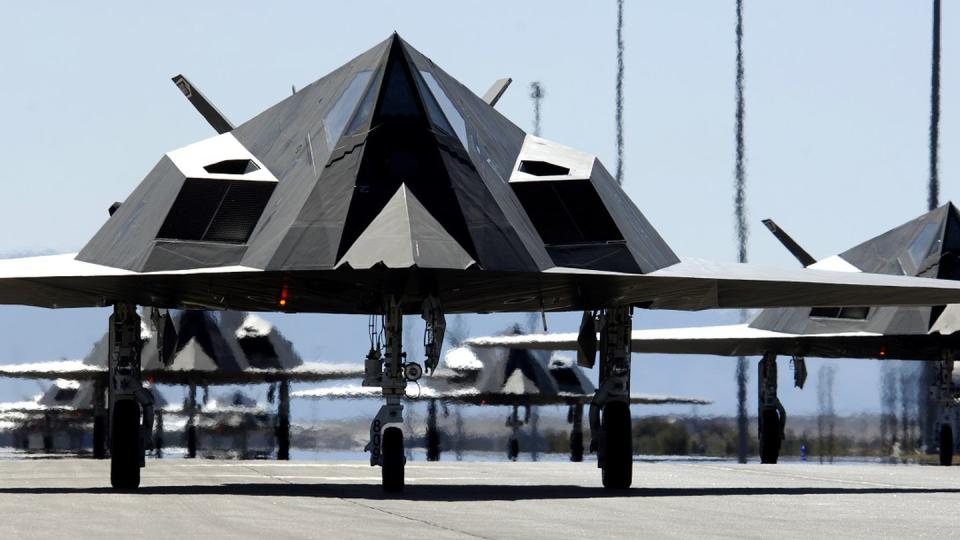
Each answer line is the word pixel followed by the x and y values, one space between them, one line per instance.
pixel 131 405
pixel 610 424
pixel 191 427
pixel 99 419
pixel 390 371
pixel 433 433
pixel 771 417
pixel 515 423
pixel 283 420
pixel 575 418
pixel 946 396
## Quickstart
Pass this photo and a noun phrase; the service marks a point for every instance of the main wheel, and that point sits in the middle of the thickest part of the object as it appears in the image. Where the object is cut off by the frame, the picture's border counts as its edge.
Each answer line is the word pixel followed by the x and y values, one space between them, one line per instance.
pixel 770 436
pixel 283 440
pixel 99 436
pixel 513 449
pixel 191 441
pixel 617 449
pixel 576 446
pixel 125 447
pixel 946 445
pixel 393 459
pixel 433 444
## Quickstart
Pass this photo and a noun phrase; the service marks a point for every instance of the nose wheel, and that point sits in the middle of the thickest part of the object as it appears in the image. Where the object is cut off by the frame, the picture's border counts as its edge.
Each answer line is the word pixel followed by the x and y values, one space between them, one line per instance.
pixel 386 367
pixel 393 460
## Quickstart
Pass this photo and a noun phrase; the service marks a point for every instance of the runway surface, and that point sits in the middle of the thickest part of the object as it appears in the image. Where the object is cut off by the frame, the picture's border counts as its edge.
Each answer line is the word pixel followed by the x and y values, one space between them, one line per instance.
pixel 69 498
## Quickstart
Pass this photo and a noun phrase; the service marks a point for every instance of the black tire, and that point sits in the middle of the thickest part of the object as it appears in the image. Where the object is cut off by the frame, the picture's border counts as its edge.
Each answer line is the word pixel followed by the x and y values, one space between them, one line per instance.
pixel 191 441
pixel 946 445
pixel 770 436
pixel 576 446
pixel 393 460
pixel 433 444
pixel 283 440
pixel 617 446
pixel 513 449
pixel 125 450
pixel 99 436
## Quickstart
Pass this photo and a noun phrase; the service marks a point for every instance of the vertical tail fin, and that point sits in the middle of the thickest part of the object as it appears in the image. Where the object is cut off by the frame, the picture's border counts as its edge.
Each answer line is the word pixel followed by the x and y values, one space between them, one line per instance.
pixel 213 116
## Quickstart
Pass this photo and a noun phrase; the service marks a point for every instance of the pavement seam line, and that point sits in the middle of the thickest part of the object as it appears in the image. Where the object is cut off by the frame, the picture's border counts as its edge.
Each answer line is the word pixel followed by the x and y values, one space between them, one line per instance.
pixel 795 476
pixel 381 510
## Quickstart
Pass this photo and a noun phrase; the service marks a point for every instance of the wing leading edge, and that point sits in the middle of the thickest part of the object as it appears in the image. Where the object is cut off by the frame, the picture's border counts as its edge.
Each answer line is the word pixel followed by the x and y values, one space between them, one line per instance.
pixel 742 340
pixel 61 281
pixel 470 396
pixel 78 371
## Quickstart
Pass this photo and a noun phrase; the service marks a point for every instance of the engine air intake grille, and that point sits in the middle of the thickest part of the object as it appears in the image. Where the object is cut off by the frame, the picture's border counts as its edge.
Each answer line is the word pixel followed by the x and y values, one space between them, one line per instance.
pixel 216 210
pixel 567 212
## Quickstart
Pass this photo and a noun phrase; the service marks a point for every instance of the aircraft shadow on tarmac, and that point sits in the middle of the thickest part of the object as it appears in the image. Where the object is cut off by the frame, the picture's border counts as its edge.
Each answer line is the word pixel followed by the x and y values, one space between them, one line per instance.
pixel 445 492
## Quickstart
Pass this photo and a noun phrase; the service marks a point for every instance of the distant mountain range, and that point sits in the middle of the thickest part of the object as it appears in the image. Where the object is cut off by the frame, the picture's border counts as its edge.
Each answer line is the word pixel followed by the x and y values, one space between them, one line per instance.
pixel 18 253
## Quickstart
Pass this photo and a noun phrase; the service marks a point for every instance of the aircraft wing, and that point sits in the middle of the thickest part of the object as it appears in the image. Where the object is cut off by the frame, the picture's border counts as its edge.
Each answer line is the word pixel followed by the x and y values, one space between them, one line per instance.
pixel 16 409
pixel 29 407
pixel 471 396
pixel 742 340
pixel 19 411
pixel 306 372
pixel 74 370
pixel 62 281
pixel 699 284
pixel 657 399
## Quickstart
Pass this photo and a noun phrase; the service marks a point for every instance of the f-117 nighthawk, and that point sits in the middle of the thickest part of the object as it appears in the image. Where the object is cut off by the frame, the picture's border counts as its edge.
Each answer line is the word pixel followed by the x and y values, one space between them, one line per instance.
pixel 388 188
pixel 194 349
pixel 926 246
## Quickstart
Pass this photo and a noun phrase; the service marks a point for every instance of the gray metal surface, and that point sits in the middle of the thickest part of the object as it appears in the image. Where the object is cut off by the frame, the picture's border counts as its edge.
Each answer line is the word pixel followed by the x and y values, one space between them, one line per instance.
pixel 205 499
pixel 208 110
pixel 496 90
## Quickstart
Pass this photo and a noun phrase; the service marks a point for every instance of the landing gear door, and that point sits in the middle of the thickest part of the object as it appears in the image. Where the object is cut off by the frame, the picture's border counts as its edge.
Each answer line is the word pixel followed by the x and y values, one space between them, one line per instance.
pixel 587 341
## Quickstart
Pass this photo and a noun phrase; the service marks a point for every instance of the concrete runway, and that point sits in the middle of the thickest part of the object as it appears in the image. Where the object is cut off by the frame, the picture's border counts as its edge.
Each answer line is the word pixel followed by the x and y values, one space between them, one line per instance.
pixel 67 498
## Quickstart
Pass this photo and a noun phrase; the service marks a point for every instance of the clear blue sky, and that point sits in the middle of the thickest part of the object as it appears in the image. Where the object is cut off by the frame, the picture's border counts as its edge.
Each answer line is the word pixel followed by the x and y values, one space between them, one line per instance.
pixel 837 118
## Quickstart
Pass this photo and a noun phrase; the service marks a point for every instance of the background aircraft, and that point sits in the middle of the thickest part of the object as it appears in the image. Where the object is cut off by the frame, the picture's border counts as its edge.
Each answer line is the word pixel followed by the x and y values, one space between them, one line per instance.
pixel 384 188
pixel 57 420
pixel 233 425
pixel 927 246
pixel 502 377
pixel 232 348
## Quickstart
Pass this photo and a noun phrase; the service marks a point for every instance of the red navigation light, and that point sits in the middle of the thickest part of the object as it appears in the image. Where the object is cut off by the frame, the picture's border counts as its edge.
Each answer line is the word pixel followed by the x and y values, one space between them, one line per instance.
pixel 883 351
